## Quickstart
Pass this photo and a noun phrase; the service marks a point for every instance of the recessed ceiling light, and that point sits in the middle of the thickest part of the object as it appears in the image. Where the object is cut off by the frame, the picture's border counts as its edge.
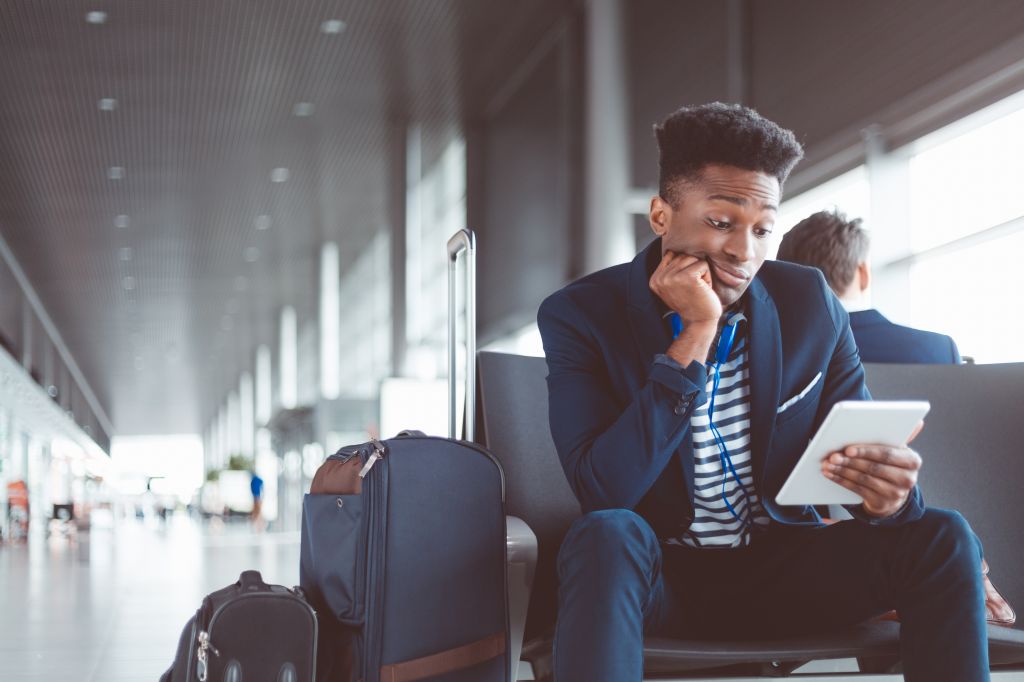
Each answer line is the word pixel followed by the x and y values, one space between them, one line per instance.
pixel 227 323
pixel 263 222
pixel 279 175
pixel 108 104
pixel 125 253
pixel 241 284
pixel 115 172
pixel 122 221
pixel 303 109
pixel 332 26
pixel 128 283
pixel 139 364
pixel 252 254
pixel 96 17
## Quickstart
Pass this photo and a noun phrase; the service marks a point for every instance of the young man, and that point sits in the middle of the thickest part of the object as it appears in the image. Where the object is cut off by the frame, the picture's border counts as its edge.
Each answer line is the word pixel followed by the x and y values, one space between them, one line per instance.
pixel 681 535
pixel 839 248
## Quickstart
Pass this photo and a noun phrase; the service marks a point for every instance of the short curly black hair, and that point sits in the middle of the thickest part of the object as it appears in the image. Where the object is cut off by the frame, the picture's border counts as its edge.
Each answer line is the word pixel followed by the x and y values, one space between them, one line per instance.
pixel 829 241
pixel 693 137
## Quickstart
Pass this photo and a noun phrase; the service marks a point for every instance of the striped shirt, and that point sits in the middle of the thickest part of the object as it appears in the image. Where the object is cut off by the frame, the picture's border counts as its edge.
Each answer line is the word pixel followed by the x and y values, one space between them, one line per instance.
pixel 713 524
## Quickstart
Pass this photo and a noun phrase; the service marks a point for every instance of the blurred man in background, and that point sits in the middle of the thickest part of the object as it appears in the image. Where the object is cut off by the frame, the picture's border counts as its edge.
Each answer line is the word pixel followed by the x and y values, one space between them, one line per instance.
pixel 838 247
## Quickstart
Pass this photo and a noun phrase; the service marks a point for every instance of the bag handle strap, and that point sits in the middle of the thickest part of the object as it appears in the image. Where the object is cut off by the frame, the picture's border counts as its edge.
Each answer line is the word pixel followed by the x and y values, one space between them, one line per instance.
pixel 445 662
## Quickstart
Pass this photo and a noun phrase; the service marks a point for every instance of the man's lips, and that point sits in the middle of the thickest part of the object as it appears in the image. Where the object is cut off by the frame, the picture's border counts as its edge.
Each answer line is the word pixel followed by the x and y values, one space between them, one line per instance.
pixel 730 277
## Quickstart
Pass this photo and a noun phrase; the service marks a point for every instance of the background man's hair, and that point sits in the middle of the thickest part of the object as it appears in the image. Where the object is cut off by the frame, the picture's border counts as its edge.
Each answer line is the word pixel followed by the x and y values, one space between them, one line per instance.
pixel 727 134
pixel 829 242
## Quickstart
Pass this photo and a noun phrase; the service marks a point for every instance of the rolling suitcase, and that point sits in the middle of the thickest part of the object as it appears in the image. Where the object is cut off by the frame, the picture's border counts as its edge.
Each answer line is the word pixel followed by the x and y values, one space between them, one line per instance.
pixel 403 553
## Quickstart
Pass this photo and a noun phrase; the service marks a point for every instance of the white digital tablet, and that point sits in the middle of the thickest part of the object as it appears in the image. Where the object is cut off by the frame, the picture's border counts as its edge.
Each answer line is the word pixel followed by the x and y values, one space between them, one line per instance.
pixel 880 422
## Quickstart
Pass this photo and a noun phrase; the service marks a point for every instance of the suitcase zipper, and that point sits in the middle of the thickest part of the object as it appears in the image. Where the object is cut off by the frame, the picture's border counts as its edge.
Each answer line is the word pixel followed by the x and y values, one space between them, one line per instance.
pixel 376 528
pixel 203 656
pixel 378 453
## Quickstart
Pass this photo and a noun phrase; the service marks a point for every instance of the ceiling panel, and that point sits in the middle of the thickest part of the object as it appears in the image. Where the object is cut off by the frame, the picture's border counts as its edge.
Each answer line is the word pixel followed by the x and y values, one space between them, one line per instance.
pixel 138 222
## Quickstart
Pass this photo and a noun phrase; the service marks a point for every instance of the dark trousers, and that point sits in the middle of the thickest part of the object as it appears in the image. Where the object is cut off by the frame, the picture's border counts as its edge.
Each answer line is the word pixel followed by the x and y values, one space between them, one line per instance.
pixel 617 583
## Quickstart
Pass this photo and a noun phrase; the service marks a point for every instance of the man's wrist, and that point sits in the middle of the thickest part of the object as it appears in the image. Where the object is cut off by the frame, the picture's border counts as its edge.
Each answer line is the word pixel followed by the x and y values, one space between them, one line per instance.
pixel 889 515
pixel 693 343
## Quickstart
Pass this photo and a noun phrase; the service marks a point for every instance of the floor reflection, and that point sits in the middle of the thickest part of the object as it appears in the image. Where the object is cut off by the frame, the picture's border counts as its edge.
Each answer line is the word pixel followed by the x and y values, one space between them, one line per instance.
pixel 109 604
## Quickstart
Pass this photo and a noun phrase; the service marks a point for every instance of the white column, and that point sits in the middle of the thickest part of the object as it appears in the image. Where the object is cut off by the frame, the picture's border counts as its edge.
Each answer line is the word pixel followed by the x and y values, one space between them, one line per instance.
pixel 330 322
pixel 289 358
pixel 413 237
pixel 234 425
pixel 264 402
pixel 222 436
pixel 246 409
pixel 889 177
pixel 609 238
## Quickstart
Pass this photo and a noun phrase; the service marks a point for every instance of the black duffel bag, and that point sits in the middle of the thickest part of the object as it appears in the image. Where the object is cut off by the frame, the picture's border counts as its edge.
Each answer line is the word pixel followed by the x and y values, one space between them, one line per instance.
pixel 248 631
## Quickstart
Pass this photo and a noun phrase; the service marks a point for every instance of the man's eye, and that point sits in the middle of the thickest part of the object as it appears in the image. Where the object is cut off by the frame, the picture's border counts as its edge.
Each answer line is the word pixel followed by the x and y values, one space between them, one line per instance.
pixel 762 233
pixel 719 224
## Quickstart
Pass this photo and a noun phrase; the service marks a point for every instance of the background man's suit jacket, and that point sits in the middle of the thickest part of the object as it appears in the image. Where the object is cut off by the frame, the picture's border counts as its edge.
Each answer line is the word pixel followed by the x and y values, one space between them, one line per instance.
pixel 620 409
pixel 879 340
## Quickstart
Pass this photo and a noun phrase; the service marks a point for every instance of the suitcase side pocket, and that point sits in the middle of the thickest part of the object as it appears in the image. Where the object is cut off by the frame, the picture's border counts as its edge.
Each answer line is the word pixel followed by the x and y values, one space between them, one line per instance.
pixel 334 554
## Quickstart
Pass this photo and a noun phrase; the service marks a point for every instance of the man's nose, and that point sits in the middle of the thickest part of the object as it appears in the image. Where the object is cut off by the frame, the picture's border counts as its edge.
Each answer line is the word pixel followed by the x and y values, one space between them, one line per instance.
pixel 740 246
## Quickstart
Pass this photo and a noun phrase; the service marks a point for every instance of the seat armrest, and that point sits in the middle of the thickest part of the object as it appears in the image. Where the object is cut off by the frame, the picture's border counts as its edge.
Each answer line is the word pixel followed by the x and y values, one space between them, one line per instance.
pixel 521 548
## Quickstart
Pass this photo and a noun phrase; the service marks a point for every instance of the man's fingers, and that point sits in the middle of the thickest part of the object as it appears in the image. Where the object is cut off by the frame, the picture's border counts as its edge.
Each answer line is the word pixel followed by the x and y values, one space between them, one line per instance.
pixel 876 493
pixel 879 486
pixel 904 457
pixel 899 476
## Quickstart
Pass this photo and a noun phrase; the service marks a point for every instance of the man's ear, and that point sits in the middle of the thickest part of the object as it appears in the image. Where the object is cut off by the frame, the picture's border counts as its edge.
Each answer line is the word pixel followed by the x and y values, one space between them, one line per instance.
pixel 660 215
pixel 864 272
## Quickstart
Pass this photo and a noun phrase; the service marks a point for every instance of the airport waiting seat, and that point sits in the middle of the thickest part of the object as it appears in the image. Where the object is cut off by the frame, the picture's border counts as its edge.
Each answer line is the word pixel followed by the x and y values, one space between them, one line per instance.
pixel 513 394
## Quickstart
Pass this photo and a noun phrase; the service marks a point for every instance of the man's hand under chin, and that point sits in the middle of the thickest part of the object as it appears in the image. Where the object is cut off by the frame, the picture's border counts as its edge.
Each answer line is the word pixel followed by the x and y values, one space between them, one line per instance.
pixel 684 283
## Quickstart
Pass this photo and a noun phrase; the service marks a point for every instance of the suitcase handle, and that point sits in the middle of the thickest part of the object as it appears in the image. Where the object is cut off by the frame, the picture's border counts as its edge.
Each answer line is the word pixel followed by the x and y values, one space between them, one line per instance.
pixel 463 240
pixel 251 581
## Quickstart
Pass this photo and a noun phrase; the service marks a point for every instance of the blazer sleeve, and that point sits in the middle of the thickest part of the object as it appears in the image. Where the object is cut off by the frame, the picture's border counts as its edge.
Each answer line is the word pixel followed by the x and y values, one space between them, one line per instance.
pixel 612 453
pixel 845 381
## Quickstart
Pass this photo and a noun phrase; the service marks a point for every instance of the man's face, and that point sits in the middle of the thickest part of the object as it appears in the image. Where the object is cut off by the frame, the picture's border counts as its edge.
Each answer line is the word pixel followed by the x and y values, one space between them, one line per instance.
pixel 726 218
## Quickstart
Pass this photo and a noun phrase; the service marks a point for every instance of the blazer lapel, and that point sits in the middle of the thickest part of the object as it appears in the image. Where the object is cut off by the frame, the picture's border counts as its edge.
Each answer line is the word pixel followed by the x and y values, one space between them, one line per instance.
pixel 646 324
pixel 765 372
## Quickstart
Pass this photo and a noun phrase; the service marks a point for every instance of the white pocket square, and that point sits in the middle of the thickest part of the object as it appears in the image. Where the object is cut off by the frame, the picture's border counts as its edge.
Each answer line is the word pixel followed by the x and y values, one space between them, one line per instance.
pixel 795 399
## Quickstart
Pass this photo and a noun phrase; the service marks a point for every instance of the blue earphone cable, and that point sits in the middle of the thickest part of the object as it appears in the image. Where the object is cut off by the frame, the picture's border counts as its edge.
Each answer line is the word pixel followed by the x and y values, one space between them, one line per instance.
pixel 725 458
pixel 725 342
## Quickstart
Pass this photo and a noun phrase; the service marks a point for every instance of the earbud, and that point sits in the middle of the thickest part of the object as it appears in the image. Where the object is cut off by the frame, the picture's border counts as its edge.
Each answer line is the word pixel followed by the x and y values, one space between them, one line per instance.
pixel 725 340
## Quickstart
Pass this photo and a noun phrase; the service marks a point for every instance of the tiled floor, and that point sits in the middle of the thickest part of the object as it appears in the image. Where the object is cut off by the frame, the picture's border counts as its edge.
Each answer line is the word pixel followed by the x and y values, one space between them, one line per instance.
pixel 109 605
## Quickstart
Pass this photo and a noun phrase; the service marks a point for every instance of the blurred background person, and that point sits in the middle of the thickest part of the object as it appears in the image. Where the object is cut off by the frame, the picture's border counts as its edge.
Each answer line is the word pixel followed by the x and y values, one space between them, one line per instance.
pixel 839 247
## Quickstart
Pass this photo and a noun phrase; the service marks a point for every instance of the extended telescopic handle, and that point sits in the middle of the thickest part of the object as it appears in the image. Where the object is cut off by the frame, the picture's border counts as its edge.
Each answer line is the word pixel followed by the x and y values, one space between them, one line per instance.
pixel 463 240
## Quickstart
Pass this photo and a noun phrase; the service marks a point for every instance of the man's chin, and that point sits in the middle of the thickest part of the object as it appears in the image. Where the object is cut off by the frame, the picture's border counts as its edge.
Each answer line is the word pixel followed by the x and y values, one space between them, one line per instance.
pixel 728 296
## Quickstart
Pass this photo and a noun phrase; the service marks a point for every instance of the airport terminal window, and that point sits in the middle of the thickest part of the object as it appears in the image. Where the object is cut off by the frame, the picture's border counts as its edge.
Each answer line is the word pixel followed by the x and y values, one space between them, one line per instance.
pixel 967 227
pixel 968 183
pixel 849 192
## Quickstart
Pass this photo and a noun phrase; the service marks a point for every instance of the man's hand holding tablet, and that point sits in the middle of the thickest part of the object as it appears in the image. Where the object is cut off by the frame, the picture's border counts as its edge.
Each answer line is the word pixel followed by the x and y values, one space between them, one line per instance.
pixel 859 455
pixel 882 475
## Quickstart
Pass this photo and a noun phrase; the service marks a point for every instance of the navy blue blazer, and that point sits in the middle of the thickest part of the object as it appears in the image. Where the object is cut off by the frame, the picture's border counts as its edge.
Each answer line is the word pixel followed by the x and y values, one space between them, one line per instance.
pixel 620 408
pixel 879 340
